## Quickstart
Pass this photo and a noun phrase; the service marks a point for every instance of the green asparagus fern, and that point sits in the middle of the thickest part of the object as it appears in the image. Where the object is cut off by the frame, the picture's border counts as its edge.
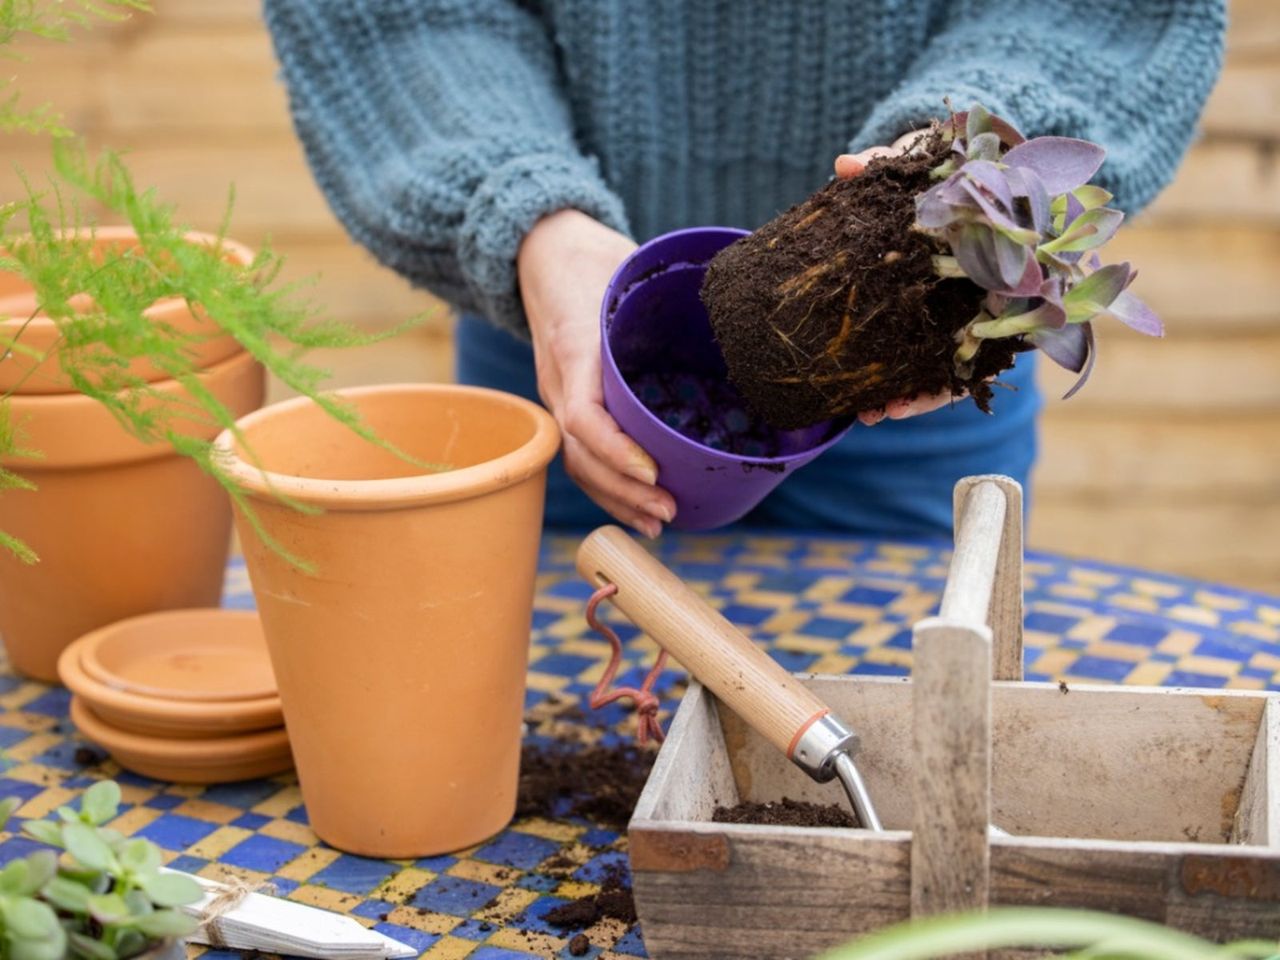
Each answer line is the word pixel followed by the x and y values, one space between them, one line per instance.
pixel 55 255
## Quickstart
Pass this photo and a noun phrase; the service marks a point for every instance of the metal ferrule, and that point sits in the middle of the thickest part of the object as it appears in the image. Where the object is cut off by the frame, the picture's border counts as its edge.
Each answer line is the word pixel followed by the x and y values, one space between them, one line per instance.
pixel 817 748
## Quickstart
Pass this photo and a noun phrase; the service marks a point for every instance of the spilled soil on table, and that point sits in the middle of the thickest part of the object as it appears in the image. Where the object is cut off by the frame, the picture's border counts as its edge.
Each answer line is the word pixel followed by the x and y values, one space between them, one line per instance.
pixel 572 777
pixel 567 774
pixel 613 902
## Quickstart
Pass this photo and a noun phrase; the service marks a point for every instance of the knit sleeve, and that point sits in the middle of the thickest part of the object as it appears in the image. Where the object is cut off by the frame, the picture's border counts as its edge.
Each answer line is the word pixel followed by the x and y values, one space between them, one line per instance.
pixel 438 133
pixel 1132 76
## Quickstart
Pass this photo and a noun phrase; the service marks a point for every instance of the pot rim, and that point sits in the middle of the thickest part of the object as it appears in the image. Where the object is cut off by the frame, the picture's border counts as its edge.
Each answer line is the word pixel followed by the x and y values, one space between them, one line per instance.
pixel 96 651
pixel 94 443
pixel 509 469
pixel 216 750
pixel 224 718
pixel 242 254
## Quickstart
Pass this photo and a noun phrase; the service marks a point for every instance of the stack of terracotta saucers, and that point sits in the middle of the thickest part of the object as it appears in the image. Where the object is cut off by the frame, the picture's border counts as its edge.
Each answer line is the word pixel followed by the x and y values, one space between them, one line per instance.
pixel 186 696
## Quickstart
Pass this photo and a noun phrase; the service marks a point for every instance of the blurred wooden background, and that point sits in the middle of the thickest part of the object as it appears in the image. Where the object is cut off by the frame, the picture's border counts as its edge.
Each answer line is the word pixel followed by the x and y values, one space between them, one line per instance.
pixel 1170 459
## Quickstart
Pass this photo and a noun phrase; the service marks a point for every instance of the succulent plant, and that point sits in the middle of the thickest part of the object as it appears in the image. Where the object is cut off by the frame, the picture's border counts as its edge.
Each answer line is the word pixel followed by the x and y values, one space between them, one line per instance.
pixel 105 898
pixel 1023 222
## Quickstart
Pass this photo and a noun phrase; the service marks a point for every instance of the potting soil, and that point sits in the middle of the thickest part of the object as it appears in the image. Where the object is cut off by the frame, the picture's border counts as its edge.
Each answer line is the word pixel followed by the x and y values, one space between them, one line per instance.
pixel 706 410
pixel 787 813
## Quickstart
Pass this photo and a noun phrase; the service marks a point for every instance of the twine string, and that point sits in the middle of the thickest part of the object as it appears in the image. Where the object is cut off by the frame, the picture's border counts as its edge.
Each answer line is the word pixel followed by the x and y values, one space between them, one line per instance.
pixel 645 699
pixel 232 893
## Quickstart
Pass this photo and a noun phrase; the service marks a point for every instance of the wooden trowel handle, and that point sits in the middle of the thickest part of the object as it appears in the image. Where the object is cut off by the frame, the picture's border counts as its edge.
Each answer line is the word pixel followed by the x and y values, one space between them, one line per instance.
pixel 753 685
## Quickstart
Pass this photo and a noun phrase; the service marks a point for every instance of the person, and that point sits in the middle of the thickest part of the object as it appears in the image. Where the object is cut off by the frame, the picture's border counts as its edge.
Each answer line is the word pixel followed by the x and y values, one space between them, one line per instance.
pixel 509 154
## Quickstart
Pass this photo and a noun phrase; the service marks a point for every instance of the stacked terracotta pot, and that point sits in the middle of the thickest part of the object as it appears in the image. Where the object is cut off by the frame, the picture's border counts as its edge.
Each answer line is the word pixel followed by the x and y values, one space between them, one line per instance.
pixel 121 527
pixel 186 696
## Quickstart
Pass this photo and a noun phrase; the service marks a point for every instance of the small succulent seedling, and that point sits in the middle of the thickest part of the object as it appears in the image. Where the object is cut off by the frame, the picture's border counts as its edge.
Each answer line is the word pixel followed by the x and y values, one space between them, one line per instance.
pixel 925 274
pixel 1023 222
pixel 104 898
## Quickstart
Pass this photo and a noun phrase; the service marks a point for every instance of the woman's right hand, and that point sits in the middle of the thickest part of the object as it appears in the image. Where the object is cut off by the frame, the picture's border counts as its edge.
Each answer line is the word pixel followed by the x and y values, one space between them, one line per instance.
pixel 564 264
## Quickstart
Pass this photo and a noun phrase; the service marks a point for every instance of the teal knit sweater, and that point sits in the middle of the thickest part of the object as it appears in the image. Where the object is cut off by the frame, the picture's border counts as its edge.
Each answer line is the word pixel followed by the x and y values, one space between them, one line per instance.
pixel 441 130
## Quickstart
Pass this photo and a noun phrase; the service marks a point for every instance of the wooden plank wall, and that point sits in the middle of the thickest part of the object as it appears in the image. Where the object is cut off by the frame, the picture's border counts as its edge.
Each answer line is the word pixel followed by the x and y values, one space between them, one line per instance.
pixel 1170 459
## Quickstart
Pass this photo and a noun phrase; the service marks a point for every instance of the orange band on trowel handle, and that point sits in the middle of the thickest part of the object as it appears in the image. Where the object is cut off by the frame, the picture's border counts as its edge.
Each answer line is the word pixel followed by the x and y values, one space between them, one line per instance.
pixel 795 741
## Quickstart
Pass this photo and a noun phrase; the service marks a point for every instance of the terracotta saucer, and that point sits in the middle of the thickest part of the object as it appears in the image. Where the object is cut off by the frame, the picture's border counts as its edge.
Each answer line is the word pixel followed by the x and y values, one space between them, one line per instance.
pixel 201 655
pixel 218 760
pixel 152 716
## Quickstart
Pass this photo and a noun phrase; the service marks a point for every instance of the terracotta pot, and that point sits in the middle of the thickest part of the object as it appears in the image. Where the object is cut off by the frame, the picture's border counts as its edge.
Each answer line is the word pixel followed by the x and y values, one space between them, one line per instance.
pixel 172 719
pixel 40 373
pixel 401 659
pixel 121 527
pixel 191 656
pixel 181 760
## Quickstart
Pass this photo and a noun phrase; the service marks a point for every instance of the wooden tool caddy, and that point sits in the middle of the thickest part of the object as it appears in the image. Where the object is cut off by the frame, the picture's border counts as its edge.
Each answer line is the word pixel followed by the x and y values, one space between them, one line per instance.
pixel 1160 803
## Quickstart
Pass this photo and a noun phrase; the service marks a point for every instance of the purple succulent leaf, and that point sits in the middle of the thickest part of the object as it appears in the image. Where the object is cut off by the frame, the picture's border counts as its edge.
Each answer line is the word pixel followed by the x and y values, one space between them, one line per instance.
pixel 1020 317
pixel 992 180
pixel 941 205
pixel 1095 262
pixel 1092 350
pixel 946 203
pixel 1074 209
pixel 1051 290
pixel 977 122
pixel 1089 230
pixel 1095 293
pixel 1009 135
pixel 998 217
pixel 1091 196
pixel 985 146
pixel 974 246
pixel 1061 264
pixel 1062 163
pixel 1067 346
pixel 1031 281
pixel 1054 315
pixel 1023 182
pixel 933 212
pixel 1135 314
pixel 1012 259
pixel 1049 314
pixel 952 189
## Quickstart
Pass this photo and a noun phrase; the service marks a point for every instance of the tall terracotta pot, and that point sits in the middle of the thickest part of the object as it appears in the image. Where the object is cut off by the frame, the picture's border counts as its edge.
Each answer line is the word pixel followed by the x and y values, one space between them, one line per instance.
pixel 401 657
pixel 121 527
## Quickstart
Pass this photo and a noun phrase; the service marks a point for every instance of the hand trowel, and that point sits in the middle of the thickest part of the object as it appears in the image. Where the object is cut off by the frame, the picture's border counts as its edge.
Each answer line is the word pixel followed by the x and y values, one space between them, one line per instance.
pixel 739 673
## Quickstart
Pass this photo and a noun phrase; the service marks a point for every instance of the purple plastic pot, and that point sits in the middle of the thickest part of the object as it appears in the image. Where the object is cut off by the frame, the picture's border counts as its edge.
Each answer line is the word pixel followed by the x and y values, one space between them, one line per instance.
pixel 653 320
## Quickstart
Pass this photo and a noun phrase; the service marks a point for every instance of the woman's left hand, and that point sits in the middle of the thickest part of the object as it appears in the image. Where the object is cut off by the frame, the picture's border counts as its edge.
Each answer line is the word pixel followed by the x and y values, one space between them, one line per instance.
pixel 849 165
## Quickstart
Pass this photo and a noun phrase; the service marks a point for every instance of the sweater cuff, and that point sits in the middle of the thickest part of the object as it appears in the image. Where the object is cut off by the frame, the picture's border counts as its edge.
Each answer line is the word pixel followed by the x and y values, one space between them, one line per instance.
pixel 510 200
pixel 915 104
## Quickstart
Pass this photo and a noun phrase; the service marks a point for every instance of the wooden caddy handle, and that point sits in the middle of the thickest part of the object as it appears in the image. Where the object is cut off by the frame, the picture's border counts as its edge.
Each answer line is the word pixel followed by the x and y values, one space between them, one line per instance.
pixel 715 652
pixel 951 699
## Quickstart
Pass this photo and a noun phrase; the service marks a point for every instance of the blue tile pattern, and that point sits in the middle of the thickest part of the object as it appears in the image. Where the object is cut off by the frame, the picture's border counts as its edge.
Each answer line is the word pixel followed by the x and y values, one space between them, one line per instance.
pixel 818 604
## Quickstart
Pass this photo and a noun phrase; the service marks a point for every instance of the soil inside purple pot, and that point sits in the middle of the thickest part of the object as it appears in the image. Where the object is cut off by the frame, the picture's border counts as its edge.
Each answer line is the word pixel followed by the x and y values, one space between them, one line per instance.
pixel 707 410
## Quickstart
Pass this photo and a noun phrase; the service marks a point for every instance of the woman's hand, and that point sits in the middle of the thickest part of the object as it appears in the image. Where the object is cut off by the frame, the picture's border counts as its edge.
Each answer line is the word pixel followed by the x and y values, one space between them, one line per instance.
pixel 564 266
pixel 850 165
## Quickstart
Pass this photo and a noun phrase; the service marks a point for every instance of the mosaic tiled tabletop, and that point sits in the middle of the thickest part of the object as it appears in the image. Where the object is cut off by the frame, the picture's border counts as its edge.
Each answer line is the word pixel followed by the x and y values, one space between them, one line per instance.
pixel 823 605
